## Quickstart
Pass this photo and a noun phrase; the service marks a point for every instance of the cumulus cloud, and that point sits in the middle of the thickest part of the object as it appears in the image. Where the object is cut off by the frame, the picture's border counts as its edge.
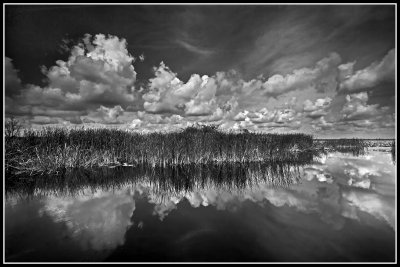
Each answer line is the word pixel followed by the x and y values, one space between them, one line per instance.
pixel 148 122
pixel 197 97
pixel 322 124
pixel 366 79
pixel 346 70
pixel 324 70
pixel 136 123
pixel 199 108
pixel 160 98
pixel 104 115
pixel 98 73
pixel 317 109
pixel 280 119
pixel 206 96
pixel 103 72
pixel 264 115
pixel 97 84
pixel 354 114
pixel 356 107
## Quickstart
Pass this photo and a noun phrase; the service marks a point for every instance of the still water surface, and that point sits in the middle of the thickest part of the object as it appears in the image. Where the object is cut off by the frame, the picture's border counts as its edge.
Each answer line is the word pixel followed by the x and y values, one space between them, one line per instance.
pixel 338 207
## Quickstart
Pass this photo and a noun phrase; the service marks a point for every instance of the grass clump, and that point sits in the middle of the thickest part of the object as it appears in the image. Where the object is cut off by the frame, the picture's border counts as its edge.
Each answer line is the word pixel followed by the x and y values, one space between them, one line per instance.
pixel 54 149
pixel 167 180
pixel 353 146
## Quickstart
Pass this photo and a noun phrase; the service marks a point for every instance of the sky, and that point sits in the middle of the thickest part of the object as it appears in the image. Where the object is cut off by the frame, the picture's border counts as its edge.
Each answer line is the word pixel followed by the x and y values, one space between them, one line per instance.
pixel 325 70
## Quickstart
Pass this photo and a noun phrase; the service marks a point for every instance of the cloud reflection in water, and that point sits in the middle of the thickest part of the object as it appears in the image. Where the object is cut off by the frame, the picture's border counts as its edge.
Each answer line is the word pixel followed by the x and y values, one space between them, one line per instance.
pixel 98 219
pixel 336 187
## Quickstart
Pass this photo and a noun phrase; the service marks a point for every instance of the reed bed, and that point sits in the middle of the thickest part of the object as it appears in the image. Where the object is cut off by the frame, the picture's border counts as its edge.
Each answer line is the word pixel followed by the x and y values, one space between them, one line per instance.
pixel 53 149
pixel 354 146
pixel 342 142
pixel 164 180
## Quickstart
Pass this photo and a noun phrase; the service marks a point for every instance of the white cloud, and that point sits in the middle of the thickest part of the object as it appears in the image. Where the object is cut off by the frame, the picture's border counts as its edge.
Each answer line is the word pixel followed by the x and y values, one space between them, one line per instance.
pixel 98 77
pixel 241 116
pixel 371 76
pixel 373 204
pixel 304 77
pixel 104 115
pixel 322 124
pixel 98 73
pixel 356 107
pixel 160 98
pixel 198 108
pixel 317 109
pixel 277 116
pixel 98 220
pixel 168 94
pixel 136 123
pixel 346 70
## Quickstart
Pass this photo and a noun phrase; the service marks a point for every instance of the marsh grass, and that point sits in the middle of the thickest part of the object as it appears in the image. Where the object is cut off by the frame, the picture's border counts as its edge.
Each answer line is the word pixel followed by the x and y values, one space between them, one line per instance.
pixel 166 180
pixel 354 146
pixel 52 150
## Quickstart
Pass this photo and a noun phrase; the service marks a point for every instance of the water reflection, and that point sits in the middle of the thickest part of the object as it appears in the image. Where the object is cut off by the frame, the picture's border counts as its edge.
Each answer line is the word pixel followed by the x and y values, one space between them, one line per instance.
pixel 165 180
pixel 99 207
pixel 98 220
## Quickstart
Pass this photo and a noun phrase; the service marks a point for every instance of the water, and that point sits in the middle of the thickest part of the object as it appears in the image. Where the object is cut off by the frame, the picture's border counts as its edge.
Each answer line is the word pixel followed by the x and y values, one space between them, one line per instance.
pixel 339 207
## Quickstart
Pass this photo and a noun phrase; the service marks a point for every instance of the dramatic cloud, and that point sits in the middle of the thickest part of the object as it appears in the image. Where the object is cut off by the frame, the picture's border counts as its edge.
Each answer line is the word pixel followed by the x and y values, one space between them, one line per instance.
pixel 197 97
pixel 104 115
pixel 317 109
pixel 162 97
pixel 355 113
pixel 356 107
pixel 367 78
pixel 98 75
pixel 324 70
pixel 322 124
pixel 98 72
pixel 97 85
pixel 148 122
pixel 265 116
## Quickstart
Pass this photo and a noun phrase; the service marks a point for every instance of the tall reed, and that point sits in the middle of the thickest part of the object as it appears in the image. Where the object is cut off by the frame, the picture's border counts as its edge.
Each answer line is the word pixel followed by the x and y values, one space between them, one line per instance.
pixel 165 180
pixel 53 149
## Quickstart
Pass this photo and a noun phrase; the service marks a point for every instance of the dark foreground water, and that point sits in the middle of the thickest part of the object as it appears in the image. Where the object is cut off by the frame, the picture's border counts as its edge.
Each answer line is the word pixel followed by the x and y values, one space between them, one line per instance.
pixel 338 207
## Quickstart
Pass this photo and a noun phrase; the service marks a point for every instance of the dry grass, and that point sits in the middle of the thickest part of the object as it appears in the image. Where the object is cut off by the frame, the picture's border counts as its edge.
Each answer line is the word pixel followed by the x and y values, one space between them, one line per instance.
pixel 52 150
